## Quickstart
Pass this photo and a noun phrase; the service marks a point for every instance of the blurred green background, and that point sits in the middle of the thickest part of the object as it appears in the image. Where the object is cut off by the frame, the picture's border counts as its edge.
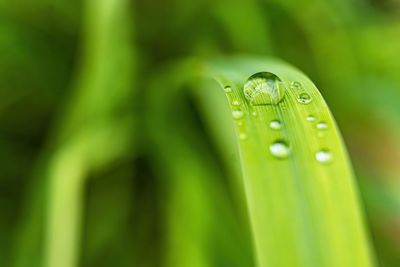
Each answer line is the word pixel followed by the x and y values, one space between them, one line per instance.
pixel 88 161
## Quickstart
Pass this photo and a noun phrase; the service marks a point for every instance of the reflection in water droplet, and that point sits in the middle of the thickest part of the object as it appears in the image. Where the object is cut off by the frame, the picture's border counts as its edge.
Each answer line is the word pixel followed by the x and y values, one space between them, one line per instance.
pixel 237 114
pixel 264 88
pixel 322 126
pixel 236 103
pixel 275 125
pixel 311 118
pixel 304 98
pixel 280 149
pixel 228 89
pixel 324 156
pixel 243 136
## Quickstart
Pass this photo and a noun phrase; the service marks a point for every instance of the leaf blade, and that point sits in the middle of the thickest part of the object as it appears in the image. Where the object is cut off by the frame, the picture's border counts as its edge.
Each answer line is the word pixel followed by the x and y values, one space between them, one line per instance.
pixel 298 206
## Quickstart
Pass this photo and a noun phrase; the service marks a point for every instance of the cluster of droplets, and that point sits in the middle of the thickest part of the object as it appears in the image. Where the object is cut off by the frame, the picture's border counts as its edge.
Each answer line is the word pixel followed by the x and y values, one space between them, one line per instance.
pixel 279 149
pixel 237 112
pixel 238 115
pixel 323 156
pixel 302 96
pixel 266 88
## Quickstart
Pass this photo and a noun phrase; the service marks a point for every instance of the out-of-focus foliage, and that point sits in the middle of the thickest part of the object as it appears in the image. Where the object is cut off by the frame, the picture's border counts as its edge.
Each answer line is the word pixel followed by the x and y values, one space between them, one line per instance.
pixel 75 87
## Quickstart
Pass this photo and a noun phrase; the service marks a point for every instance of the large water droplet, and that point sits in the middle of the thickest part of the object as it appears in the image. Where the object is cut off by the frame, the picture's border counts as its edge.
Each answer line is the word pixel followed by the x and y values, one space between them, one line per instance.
pixel 275 125
pixel 324 156
pixel 304 98
pixel 237 114
pixel 280 149
pixel 264 88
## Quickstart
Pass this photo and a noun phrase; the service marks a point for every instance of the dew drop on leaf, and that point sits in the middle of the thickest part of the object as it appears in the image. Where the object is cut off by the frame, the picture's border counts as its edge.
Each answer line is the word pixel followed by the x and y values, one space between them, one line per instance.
pixel 280 149
pixel 310 118
pixel 264 88
pixel 296 85
pixel 324 156
pixel 322 126
pixel 228 89
pixel 275 125
pixel 237 114
pixel 236 103
pixel 304 98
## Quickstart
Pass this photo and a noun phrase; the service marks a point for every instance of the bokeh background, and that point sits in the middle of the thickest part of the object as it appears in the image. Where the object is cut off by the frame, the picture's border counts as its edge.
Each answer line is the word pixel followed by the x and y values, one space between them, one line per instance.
pixel 76 124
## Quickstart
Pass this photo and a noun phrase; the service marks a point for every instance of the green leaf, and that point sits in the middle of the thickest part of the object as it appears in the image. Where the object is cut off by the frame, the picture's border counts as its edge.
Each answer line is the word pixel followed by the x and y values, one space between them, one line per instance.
pixel 300 189
pixel 299 186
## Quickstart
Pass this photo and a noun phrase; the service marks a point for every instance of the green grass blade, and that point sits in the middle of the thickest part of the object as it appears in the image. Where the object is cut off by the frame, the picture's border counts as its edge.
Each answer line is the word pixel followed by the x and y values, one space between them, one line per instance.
pixel 301 193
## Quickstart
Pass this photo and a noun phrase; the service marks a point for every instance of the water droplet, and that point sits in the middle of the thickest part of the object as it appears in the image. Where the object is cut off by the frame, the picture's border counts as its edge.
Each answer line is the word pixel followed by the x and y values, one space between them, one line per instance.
pixel 237 114
pixel 240 123
pixel 322 126
pixel 254 113
pixel 264 88
pixel 228 89
pixel 296 85
pixel 275 125
pixel 280 149
pixel 311 118
pixel 236 103
pixel 304 98
pixel 243 136
pixel 324 156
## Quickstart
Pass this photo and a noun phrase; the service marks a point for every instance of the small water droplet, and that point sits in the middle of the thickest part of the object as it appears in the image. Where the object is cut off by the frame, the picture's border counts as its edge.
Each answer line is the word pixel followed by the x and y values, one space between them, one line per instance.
pixel 322 126
pixel 304 98
pixel 240 123
pixel 237 114
pixel 311 118
pixel 275 125
pixel 236 103
pixel 264 88
pixel 324 156
pixel 254 113
pixel 228 89
pixel 243 136
pixel 280 149
pixel 296 85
